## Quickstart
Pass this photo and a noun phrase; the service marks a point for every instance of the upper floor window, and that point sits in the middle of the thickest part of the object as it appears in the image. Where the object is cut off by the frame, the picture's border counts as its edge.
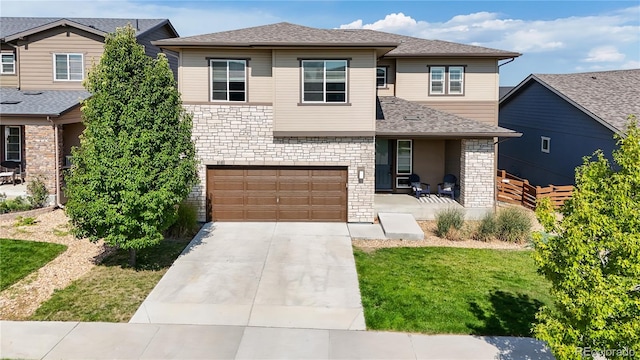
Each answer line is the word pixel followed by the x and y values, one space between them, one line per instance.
pixel 446 80
pixel 68 67
pixel 381 77
pixel 324 81
pixel 228 80
pixel 8 65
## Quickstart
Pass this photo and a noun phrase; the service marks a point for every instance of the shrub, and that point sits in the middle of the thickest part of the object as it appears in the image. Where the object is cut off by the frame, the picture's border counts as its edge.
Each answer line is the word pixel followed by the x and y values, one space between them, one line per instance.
pixel 12 205
pixel 488 228
pixel 186 220
pixel 448 219
pixel 38 193
pixel 514 224
pixel 546 214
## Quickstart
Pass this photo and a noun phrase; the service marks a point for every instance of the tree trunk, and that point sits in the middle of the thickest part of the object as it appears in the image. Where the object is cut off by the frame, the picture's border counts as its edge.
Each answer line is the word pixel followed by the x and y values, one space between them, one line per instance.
pixel 132 257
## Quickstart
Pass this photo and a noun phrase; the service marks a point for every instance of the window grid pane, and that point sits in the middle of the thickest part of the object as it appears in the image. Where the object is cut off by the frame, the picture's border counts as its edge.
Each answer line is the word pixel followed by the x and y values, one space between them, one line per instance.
pixel 324 81
pixel 13 143
pixel 8 64
pixel 404 157
pixel 437 80
pixel 228 80
pixel 381 77
pixel 455 80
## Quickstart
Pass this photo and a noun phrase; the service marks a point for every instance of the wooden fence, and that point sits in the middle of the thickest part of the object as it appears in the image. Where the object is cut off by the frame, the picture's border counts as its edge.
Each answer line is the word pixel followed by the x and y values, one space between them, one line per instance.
pixel 515 190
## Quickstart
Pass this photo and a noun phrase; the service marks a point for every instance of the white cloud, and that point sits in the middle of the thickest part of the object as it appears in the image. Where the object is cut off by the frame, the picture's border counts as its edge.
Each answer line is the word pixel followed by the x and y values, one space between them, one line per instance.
pixel 631 64
pixel 605 53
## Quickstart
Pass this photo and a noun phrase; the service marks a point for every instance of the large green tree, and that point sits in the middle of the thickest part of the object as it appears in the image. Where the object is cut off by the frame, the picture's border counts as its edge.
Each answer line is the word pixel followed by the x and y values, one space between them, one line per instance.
pixel 136 160
pixel 594 262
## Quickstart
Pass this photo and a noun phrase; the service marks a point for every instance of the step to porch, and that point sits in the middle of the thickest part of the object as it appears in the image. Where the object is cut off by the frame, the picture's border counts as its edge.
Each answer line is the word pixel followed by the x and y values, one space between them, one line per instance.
pixel 399 226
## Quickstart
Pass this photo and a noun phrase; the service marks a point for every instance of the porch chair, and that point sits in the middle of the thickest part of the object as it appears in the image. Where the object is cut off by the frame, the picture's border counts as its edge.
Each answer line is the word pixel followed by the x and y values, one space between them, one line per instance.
pixel 448 186
pixel 419 188
pixel 11 170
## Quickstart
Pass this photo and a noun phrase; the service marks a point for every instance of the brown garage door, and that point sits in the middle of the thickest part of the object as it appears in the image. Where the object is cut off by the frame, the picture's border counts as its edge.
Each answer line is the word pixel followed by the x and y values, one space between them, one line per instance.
pixel 277 193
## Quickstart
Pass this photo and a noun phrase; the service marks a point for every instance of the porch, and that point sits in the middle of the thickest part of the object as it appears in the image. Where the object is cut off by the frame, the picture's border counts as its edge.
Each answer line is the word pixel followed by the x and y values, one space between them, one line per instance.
pixel 13 191
pixel 424 208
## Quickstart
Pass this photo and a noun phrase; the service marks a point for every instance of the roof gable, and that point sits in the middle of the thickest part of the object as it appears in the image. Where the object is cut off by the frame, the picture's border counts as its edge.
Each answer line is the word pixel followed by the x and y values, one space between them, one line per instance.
pixel 12 28
pixel 609 97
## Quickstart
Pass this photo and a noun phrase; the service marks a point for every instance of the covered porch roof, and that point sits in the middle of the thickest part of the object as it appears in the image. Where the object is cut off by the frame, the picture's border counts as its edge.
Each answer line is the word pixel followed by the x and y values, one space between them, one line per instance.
pixel 39 103
pixel 399 117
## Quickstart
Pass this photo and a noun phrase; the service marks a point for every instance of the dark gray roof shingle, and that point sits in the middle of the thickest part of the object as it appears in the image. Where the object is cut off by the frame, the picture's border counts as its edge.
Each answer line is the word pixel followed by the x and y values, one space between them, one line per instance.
pixel 609 95
pixel 40 103
pixel 399 117
pixel 281 34
pixel 14 25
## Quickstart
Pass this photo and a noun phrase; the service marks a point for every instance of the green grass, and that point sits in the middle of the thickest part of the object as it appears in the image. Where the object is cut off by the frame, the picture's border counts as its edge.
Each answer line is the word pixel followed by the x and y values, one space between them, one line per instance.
pixel 19 258
pixel 112 291
pixel 450 290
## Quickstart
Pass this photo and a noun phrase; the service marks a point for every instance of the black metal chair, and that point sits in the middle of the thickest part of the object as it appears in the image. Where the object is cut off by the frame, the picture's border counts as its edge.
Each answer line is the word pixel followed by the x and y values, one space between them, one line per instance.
pixel 448 186
pixel 11 170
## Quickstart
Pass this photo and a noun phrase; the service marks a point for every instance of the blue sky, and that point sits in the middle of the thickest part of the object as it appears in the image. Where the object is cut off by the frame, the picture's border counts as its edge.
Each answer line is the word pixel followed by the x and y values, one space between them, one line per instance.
pixel 553 36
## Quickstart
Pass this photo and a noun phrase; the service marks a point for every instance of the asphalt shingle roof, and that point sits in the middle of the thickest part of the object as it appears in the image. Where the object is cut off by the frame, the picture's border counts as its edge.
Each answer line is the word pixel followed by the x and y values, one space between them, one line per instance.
pixel 14 25
pixel 397 116
pixel 39 103
pixel 283 33
pixel 609 95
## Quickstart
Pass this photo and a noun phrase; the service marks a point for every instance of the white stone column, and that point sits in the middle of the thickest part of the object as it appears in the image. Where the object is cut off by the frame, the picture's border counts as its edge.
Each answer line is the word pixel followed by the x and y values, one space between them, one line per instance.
pixel 477 177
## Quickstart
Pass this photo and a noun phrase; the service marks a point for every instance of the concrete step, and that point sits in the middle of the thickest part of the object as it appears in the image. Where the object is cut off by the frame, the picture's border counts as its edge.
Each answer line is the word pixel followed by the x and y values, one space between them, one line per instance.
pixel 400 226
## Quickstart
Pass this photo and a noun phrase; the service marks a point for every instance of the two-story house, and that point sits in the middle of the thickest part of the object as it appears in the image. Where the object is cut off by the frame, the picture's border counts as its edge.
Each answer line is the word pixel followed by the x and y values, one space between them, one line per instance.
pixel 44 61
pixel 294 123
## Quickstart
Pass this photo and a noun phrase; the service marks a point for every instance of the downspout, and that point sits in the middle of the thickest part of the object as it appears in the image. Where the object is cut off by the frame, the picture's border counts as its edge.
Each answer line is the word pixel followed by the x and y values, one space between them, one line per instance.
pixel 56 140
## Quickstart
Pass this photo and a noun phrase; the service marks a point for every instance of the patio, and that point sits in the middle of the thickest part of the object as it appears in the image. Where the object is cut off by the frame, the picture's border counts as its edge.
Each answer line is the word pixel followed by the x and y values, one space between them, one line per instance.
pixel 424 208
pixel 14 191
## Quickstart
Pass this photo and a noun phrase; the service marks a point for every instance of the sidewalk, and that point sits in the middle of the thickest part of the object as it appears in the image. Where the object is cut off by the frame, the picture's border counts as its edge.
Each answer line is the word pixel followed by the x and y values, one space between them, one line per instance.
pixel 73 340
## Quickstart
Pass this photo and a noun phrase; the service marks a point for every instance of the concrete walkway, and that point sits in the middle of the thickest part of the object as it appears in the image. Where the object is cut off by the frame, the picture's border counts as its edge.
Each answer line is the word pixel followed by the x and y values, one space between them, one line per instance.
pixel 293 275
pixel 72 340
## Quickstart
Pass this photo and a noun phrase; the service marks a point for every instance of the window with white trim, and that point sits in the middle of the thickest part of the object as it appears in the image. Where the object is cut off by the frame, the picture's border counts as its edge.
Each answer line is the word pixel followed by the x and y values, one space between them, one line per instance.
pixel 324 81
pixel 545 144
pixel 228 80
pixel 68 67
pixel 381 77
pixel 446 80
pixel 456 80
pixel 12 143
pixel 8 65
pixel 403 157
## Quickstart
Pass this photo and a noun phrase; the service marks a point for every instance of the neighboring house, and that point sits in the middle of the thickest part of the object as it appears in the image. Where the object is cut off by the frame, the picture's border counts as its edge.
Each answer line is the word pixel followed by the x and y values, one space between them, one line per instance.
pixel 44 61
pixel 294 123
pixel 564 117
pixel 504 90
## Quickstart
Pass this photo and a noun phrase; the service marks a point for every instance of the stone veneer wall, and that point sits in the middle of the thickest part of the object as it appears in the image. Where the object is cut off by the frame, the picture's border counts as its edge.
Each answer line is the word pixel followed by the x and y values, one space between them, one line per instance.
pixel 40 154
pixel 243 135
pixel 477 176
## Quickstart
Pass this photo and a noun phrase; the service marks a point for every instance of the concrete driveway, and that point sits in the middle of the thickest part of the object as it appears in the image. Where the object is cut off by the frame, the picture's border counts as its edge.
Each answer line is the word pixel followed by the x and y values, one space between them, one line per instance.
pixel 293 275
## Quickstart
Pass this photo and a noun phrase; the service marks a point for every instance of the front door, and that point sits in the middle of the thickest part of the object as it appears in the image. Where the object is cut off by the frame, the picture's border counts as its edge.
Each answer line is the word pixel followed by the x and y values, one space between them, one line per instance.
pixel 383 165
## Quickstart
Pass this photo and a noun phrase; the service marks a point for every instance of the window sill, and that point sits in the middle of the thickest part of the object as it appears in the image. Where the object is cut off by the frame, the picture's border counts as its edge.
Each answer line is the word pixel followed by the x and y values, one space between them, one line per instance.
pixel 8 74
pixel 436 95
pixel 324 104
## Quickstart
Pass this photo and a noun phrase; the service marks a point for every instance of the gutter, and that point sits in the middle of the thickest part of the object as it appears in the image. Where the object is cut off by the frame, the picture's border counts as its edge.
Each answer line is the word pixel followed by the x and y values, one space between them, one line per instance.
pixel 56 139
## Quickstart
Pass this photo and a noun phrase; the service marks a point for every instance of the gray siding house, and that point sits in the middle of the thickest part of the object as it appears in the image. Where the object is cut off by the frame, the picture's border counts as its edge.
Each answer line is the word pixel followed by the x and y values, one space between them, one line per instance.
pixel 564 117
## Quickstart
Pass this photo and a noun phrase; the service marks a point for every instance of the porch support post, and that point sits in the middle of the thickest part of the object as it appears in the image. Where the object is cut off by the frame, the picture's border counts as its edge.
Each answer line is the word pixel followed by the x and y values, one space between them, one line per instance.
pixel 477 161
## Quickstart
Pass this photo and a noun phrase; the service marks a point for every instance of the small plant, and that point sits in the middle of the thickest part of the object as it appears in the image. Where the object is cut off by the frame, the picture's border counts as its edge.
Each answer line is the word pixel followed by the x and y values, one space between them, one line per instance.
pixel 514 225
pixel 488 228
pixel 186 221
pixel 25 221
pixel 60 233
pixel 38 193
pixel 12 205
pixel 447 220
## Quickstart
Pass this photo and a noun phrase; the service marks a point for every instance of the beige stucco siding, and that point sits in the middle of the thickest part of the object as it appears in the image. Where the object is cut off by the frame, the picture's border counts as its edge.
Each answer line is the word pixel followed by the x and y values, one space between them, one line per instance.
pixel 194 73
pixel 358 115
pixel 36 56
pixel 484 111
pixel 389 90
pixel 480 79
pixel 429 161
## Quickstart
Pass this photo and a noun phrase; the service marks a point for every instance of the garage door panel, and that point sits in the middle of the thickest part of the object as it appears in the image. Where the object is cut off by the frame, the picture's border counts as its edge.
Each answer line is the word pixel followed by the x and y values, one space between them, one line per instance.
pixel 277 194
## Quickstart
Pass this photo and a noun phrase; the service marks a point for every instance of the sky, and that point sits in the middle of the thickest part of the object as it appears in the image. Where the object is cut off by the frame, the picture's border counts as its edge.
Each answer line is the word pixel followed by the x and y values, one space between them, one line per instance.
pixel 552 36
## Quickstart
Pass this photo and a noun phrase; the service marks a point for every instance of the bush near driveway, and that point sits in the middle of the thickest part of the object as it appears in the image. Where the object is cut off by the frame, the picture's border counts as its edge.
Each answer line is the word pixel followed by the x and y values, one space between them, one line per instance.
pixel 439 290
pixel 19 258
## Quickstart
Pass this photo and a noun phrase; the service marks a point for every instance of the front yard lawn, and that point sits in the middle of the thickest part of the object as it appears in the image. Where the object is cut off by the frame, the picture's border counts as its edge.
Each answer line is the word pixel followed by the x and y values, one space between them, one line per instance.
pixel 437 290
pixel 19 258
pixel 112 291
